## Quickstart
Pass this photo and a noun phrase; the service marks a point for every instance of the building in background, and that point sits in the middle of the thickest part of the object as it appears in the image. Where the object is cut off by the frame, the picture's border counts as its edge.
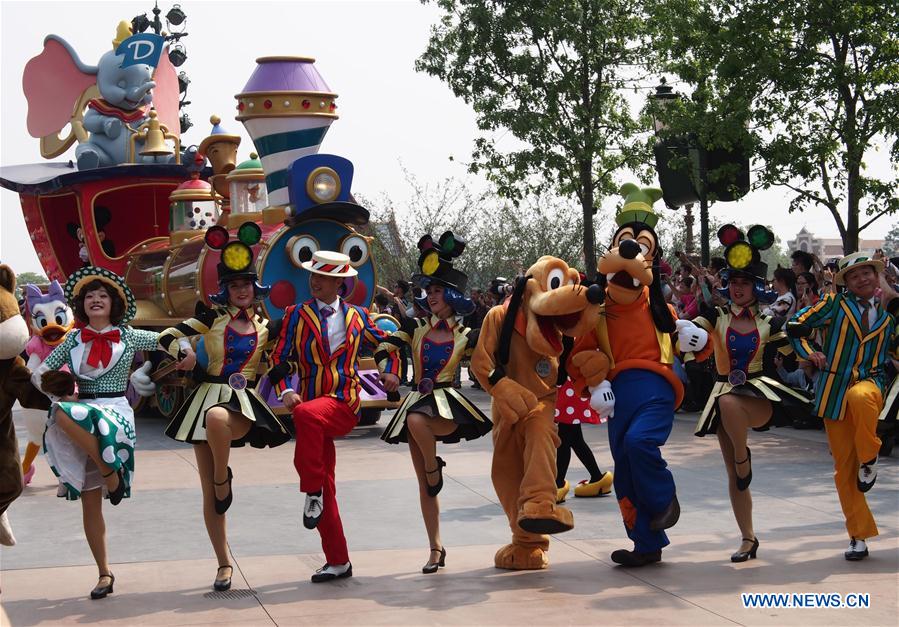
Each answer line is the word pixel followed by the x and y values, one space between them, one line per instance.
pixel 828 248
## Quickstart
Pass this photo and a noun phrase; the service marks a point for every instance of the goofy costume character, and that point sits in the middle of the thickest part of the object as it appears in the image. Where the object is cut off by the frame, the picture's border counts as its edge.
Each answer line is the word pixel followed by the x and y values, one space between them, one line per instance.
pixel 635 331
pixel 860 336
pixel 319 342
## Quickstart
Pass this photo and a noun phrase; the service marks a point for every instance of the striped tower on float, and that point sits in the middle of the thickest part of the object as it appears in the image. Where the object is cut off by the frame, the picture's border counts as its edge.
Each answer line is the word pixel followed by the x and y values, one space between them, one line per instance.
pixel 286 107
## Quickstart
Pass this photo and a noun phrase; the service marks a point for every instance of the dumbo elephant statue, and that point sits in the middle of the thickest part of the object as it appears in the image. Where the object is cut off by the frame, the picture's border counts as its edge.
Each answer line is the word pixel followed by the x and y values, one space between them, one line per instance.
pixel 58 86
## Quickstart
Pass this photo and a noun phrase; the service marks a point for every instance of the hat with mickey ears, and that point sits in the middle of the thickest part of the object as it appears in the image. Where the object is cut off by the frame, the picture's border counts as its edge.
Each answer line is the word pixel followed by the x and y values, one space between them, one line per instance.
pixel 853 261
pixel 83 276
pixel 237 256
pixel 743 252
pixel 436 262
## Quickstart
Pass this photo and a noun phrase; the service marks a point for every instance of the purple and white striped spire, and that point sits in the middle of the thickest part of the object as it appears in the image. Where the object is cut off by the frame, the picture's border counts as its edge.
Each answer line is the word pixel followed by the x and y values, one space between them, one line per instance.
pixel 286 107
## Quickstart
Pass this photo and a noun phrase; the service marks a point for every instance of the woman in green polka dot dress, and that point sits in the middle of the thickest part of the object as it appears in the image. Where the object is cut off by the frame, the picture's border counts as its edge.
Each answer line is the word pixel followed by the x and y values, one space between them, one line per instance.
pixel 89 440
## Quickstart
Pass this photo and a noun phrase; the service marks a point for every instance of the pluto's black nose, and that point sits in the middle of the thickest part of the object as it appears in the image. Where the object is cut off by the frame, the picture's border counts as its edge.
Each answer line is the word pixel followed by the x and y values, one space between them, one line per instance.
pixel 594 294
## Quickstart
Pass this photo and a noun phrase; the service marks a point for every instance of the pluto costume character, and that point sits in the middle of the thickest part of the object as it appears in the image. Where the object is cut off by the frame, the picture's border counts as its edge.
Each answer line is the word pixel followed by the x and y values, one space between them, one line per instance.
pixel 516 361
pixel 634 332
pixel 15 384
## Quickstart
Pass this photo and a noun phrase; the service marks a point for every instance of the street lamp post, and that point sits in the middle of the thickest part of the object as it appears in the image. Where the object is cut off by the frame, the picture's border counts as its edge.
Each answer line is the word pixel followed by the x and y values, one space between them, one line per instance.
pixel 688 222
pixel 702 157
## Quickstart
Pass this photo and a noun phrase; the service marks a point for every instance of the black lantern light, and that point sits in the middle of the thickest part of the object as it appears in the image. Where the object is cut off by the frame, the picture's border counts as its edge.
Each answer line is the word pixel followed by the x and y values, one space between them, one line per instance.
pixel 175 15
pixel 140 23
pixel 177 55
pixel 185 122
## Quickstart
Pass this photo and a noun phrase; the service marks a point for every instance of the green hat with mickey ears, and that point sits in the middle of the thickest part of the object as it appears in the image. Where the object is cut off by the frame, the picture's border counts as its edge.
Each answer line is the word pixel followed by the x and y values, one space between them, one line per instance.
pixel 638 205
pixel 83 276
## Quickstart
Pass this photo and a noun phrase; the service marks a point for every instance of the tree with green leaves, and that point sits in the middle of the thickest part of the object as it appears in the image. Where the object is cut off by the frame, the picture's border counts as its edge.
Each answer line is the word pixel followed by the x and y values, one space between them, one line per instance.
pixel 553 74
pixel 502 239
pixel 891 242
pixel 25 278
pixel 807 86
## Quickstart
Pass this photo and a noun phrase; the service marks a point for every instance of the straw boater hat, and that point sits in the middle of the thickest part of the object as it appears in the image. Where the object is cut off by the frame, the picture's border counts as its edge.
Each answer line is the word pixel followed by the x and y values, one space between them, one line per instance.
pixel 853 261
pixel 329 263
pixel 83 276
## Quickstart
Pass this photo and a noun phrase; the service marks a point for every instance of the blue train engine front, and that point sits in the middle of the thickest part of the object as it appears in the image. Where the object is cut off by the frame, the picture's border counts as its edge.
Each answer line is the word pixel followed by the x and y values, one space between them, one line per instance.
pixel 321 216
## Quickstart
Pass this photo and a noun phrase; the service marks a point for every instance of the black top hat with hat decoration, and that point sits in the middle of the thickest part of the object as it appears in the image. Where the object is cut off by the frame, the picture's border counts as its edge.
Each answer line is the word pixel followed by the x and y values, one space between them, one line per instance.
pixel 743 252
pixel 436 261
pixel 237 257
pixel 436 264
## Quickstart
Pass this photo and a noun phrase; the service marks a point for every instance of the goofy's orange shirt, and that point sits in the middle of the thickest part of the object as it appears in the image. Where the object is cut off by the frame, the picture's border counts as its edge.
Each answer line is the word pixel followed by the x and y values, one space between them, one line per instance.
pixel 630 339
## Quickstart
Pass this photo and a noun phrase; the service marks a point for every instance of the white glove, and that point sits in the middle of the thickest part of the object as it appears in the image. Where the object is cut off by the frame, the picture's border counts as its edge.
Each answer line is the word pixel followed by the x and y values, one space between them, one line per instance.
pixel 602 399
pixel 690 337
pixel 141 381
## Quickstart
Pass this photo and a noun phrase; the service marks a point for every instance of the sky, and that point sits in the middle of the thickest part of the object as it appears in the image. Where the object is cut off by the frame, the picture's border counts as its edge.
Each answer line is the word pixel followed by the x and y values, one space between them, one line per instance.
pixel 391 117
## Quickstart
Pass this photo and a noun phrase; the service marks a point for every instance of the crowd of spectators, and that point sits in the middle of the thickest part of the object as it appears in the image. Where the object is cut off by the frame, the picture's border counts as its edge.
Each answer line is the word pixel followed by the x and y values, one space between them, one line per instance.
pixel 691 287
pixel 400 302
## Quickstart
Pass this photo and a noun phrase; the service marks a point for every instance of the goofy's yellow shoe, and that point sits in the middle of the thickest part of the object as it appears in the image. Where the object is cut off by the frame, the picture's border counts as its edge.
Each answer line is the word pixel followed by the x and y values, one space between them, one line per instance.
pixel 562 492
pixel 603 487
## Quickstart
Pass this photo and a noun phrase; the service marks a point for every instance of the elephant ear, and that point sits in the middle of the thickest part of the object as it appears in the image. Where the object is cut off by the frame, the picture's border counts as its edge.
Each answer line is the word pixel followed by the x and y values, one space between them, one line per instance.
pixel 166 94
pixel 53 82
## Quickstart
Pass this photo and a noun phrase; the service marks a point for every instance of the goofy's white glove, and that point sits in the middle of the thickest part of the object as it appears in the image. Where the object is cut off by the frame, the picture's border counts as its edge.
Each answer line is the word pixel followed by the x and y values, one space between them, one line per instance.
pixel 690 337
pixel 141 381
pixel 602 399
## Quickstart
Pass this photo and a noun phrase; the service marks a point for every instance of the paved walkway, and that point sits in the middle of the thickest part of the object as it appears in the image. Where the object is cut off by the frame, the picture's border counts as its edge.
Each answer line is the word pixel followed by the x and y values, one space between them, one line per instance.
pixel 164 565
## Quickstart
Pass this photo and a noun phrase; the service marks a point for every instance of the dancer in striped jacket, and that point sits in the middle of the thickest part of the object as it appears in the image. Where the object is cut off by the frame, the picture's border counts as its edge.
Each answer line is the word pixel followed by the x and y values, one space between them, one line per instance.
pixel 319 342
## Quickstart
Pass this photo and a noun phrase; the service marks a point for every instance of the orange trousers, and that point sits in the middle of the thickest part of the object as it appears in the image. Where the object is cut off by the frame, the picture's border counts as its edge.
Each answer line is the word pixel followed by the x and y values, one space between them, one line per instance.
pixel 854 440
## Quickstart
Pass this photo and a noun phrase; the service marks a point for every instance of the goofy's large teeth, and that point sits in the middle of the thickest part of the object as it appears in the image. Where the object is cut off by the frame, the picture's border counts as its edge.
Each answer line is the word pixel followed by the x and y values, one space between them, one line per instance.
pixel 610 276
pixel 636 283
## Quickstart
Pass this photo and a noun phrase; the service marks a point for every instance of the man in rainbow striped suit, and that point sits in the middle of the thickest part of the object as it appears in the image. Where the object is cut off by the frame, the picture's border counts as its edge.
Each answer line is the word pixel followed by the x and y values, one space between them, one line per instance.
pixel 320 341
pixel 860 334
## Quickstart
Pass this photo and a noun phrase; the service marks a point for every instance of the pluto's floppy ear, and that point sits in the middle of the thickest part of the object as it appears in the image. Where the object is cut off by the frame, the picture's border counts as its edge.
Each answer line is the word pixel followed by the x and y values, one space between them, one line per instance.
pixel 7 278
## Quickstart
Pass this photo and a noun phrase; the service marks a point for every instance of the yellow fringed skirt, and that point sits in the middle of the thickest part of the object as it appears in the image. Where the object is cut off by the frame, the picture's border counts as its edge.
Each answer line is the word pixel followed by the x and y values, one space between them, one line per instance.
pixel 189 423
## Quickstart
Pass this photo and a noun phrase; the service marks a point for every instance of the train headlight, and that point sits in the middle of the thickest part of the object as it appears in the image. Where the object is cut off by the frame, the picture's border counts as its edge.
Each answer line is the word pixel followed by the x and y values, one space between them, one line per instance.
pixel 323 185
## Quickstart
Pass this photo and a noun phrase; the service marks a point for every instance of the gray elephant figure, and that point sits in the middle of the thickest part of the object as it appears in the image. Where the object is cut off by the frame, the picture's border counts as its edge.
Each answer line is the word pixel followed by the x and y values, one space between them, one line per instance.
pixel 57 79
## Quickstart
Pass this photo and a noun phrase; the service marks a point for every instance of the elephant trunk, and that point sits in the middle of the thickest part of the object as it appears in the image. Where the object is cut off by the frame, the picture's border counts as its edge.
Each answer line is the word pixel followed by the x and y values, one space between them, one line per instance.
pixel 137 94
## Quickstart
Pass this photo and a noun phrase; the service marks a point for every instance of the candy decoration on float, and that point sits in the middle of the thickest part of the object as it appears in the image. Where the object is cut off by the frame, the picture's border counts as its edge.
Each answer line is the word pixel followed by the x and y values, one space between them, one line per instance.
pixel 286 107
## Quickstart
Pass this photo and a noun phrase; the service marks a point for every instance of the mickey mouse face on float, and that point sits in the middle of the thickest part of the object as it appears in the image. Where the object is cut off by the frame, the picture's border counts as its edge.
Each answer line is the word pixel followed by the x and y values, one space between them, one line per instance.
pixel 280 263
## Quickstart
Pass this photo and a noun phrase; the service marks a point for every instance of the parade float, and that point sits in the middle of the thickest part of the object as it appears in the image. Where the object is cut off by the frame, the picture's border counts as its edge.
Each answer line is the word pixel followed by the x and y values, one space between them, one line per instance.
pixel 135 201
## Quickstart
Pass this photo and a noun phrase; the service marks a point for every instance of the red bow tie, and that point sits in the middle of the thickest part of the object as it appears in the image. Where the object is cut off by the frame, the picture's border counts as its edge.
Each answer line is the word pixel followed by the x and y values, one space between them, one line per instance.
pixel 101 349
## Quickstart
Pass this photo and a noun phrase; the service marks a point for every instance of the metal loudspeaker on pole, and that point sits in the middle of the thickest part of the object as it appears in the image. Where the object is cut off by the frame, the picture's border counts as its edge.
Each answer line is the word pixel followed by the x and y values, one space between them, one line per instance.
pixel 683 165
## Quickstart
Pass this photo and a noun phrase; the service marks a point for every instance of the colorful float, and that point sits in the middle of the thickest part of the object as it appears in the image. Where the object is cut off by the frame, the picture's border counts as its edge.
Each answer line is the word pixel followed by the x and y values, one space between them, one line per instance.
pixel 134 201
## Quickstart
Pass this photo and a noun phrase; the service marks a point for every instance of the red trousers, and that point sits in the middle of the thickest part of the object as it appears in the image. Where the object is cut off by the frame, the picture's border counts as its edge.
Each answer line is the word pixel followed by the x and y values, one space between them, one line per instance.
pixel 317 423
